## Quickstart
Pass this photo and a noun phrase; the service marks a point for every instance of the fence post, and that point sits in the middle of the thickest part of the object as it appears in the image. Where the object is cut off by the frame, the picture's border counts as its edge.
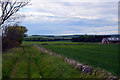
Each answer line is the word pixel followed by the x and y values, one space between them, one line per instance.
pixel 0 54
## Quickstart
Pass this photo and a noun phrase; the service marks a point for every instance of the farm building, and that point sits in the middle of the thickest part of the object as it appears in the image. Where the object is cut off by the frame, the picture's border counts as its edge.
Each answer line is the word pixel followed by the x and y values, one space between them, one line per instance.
pixel 110 40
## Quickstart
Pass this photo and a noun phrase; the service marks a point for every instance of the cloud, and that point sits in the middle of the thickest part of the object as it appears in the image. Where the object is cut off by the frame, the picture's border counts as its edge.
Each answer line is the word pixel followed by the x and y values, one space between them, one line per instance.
pixel 71 16
pixel 87 10
pixel 64 15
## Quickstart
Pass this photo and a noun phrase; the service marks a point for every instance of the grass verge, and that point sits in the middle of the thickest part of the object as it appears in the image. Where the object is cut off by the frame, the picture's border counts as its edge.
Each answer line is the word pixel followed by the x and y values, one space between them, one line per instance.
pixel 28 62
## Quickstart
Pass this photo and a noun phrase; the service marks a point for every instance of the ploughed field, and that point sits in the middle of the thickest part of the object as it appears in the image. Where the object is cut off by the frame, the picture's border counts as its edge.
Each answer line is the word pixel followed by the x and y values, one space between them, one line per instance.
pixel 94 54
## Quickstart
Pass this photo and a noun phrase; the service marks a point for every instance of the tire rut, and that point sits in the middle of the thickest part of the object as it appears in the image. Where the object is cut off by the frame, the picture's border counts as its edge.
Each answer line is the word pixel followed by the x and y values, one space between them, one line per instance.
pixel 21 58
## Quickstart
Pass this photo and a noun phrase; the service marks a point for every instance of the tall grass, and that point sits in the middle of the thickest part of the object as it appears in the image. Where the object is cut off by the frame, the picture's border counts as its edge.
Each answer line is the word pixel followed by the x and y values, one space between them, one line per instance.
pixel 28 62
pixel 98 56
pixel 9 60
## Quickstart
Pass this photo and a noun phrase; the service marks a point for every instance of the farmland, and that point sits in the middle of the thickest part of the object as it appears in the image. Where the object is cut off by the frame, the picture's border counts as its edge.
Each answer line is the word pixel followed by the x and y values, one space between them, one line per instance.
pixel 63 39
pixel 96 55
pixel 28 62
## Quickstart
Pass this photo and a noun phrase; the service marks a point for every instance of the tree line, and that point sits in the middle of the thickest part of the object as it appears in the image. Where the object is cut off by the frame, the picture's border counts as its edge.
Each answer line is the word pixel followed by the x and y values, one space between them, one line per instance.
pixel 81 38
pixel 89 38
pixel 42 39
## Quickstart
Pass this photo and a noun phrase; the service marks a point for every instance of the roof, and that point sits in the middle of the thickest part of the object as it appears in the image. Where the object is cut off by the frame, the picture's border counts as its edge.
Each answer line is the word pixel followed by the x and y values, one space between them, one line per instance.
pixel 112 39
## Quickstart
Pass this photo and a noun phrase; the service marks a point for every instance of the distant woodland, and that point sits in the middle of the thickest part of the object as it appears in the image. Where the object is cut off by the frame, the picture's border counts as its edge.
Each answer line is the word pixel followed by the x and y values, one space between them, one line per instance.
pixel 73 38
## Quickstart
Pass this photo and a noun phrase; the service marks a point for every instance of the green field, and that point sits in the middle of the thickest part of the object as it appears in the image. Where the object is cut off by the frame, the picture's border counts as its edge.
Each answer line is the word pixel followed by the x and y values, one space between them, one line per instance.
pixel 57 42
pixel 28 62
pixel 97 55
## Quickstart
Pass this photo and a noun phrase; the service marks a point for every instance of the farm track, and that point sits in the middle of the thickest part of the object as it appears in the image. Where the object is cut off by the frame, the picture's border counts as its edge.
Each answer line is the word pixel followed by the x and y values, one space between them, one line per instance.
pixel 13 72
pixel 21 59
pixel 81 67
pixel 28 59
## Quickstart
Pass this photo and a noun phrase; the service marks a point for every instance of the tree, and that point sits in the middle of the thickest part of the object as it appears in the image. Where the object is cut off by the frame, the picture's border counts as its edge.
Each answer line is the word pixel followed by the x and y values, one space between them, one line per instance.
pixel 9 8
pixel 14 36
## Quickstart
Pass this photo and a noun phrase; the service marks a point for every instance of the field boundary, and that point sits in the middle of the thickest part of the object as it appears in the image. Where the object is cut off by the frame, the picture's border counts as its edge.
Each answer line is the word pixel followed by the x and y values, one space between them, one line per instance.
pixel 68 44
pixel 79 66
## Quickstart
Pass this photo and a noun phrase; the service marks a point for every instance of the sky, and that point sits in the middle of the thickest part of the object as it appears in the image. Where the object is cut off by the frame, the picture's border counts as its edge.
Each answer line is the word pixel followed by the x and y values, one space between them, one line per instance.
pixel 68 17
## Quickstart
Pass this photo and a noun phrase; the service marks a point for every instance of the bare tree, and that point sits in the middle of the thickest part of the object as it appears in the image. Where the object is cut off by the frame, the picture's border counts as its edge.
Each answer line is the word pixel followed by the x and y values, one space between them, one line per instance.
pixel 16 19
pixel 9 8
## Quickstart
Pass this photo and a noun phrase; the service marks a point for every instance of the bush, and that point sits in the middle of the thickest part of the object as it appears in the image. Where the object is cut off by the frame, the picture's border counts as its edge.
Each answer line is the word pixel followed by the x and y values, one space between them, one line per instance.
pixel 13 36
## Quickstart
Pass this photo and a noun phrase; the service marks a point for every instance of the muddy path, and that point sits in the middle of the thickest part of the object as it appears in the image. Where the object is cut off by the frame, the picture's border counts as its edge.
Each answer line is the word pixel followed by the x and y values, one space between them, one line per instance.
pixel 79 66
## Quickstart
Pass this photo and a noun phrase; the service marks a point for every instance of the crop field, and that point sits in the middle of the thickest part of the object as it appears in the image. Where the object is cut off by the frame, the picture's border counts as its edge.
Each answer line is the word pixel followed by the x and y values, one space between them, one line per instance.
pixel 28 62
pixel 97 55
pixel 56 42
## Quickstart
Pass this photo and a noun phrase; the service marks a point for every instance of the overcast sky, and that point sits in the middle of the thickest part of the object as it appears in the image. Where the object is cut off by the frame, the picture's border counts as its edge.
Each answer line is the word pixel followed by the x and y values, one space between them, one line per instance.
pixel 60 17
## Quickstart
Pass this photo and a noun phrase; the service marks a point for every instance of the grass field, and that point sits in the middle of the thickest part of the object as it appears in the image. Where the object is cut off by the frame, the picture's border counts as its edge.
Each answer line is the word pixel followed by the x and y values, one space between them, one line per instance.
pixel 28 62
pixel 57 42
pixel 99 56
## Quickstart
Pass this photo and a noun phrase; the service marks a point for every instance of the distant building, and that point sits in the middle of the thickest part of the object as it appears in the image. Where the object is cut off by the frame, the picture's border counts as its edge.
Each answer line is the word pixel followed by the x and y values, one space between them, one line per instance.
pixel 111 40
